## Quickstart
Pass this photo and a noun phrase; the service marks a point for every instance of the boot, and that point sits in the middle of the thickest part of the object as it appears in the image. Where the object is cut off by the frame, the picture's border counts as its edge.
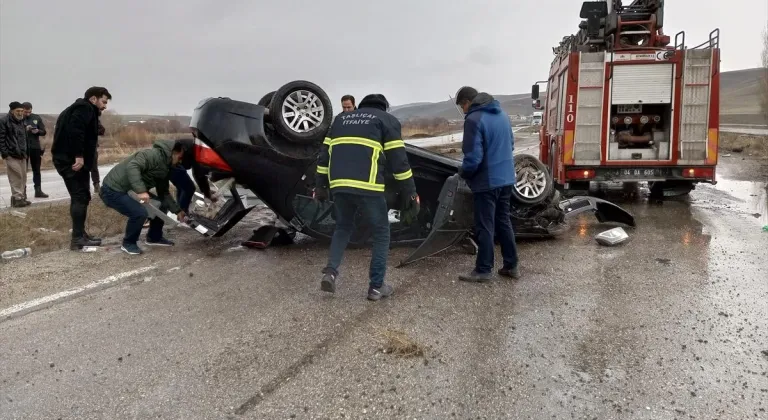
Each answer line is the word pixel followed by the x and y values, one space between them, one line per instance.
pixel 78 243
pixel 91 238
pixel 96 188
pixel 39 192
pixel 15 202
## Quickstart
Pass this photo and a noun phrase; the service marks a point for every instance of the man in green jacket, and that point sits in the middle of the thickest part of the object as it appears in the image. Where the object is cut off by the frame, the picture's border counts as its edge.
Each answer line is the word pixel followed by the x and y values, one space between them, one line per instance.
pixel 140 172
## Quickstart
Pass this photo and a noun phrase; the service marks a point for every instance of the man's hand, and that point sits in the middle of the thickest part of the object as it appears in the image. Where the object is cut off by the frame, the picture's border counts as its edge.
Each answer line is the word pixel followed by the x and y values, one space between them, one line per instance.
pixel 143 197
pixel 215 197
pixel 29 127
pixel 35 131
pixel 181 216
pixel 320 194
pixel 410 210
pixel 78 164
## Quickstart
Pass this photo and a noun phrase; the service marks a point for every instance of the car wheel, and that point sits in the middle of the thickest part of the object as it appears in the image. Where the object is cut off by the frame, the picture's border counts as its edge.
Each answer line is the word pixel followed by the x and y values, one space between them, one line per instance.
pixel 266 99
pixel 533 184
pixel 301 112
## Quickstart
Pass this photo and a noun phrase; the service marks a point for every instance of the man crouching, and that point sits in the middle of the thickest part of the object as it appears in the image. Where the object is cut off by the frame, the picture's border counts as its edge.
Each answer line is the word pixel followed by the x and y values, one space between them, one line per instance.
pixel 140 172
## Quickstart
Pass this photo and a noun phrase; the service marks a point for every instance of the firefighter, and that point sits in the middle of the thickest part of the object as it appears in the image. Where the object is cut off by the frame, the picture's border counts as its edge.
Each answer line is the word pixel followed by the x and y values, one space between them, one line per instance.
pixel 364 143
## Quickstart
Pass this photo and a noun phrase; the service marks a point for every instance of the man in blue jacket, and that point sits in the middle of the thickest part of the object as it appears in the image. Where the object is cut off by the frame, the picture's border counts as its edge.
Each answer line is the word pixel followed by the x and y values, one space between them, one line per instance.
pixel 489 169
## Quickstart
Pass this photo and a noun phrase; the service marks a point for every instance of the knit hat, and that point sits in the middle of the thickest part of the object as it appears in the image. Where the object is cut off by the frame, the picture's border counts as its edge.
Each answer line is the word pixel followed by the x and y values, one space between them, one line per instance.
pixel 375 100
pixel 15 105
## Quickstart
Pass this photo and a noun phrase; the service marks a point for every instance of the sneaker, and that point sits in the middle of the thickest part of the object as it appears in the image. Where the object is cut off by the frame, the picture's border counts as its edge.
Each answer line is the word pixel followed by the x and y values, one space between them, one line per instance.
pixel 475 277
pixel 510 272
pixel 77 244
pixel 131 249
pixel 376 293
pixel 159 242
pixel 328 283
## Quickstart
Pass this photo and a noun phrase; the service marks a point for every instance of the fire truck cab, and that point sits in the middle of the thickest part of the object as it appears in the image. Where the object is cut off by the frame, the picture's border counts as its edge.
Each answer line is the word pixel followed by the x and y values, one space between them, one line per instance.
pixel 623 105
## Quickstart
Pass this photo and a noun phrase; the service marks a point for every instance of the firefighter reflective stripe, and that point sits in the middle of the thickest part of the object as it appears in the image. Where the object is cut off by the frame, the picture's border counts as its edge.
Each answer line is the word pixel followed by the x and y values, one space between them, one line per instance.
pixel 356 140
pixel 323 170
pixel 393 144
pixel 404 175
pixel 327 141
pixel 374 167
pixel 352 183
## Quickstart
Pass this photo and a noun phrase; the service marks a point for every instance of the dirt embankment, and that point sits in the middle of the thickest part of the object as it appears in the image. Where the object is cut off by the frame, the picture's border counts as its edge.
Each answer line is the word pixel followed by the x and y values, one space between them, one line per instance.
pixel 748 144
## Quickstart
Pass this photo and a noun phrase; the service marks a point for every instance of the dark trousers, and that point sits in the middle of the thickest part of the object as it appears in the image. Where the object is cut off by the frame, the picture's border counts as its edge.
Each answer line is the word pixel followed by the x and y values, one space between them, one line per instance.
pixel 492 217
pixel 374 211
pixel 35 159
pixel 185 187
pixel 79 193
pixel 95 169
pixel 136 214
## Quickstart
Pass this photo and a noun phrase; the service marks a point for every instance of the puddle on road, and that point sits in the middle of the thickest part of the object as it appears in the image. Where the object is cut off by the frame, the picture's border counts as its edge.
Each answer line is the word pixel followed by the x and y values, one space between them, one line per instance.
pixel 747 197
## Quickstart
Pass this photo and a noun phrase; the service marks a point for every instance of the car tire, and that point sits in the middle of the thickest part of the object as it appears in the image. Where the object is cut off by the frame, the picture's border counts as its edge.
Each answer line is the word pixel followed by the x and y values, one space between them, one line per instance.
pixel 530 172
pixel 315 113
pixel 266 99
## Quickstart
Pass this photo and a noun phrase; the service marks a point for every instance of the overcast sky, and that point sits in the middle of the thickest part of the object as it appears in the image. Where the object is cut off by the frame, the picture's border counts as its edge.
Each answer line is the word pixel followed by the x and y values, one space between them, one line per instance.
pixel 163 56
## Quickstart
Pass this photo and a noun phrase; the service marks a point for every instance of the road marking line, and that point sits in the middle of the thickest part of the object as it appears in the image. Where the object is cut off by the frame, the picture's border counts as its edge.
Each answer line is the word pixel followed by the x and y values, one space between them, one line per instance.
pixel 31 305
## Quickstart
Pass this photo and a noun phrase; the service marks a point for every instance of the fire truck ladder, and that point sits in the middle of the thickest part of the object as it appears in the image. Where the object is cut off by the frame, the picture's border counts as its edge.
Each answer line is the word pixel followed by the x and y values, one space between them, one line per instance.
pixel 694 122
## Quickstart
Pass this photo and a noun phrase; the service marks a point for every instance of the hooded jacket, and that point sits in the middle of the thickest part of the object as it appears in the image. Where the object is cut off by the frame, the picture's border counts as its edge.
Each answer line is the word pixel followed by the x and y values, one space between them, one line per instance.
pixel 361 146
pixel 144 170
pixel 13 137
pixel 77 133
pixel 488 146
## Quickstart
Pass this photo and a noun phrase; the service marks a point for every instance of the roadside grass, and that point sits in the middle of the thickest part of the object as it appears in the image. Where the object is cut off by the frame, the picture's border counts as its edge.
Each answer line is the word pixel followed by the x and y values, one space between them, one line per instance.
pixel 451 150
pixel 400 344
pixel 112 149
pixel 410 133
pixel 750 144
pixel 46 228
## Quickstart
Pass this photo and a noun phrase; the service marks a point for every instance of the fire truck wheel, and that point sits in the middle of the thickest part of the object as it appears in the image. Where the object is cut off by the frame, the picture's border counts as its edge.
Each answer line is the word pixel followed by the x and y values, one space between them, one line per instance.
pixel 533 184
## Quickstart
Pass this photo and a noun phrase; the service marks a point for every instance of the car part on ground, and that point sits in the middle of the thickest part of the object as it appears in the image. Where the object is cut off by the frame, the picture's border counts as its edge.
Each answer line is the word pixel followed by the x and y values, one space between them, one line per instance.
pixel 612 237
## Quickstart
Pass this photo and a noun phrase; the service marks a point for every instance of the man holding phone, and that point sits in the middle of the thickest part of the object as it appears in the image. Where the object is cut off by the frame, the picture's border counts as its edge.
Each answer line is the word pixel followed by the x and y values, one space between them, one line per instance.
pixel 35 129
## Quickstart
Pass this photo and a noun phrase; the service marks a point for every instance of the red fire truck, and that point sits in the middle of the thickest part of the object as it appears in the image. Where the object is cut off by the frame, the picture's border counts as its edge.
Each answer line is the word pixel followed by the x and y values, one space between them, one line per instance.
pixel 623 105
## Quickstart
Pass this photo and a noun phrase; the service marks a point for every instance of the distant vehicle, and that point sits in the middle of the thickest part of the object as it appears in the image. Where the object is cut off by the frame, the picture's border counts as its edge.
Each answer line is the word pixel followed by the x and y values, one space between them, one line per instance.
pixel 272 149
pixel 623 105
pixel 537 118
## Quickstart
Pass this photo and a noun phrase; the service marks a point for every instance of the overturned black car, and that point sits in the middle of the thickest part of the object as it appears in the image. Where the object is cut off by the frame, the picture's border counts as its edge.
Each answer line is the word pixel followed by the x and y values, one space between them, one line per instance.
pixel 271 148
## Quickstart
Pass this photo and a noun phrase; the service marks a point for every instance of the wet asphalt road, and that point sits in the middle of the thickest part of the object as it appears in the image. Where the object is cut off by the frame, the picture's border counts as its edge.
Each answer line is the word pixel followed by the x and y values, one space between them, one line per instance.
pixel 673 324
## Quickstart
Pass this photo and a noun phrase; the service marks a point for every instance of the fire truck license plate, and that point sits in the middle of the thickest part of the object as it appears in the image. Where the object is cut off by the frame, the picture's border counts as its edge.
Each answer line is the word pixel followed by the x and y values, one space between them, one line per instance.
pixel 640 173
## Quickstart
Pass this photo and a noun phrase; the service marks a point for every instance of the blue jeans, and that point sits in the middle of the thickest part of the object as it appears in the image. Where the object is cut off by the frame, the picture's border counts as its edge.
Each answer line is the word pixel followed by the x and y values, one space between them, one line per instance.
pixel 185 188
pixel 136 214
pixel 374 211
pixel 492 216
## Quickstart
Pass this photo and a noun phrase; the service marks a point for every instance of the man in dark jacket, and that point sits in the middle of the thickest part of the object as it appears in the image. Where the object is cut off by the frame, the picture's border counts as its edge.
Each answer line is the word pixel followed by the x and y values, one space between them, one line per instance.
pixel 35 129
pixel 489 169
pixel 13 149
pixel 140 172
pixel 364 142
pixel 73 150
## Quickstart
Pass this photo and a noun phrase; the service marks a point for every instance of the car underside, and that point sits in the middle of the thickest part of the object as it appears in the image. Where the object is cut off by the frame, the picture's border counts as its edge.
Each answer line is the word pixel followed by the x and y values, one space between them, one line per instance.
pixel 271 148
